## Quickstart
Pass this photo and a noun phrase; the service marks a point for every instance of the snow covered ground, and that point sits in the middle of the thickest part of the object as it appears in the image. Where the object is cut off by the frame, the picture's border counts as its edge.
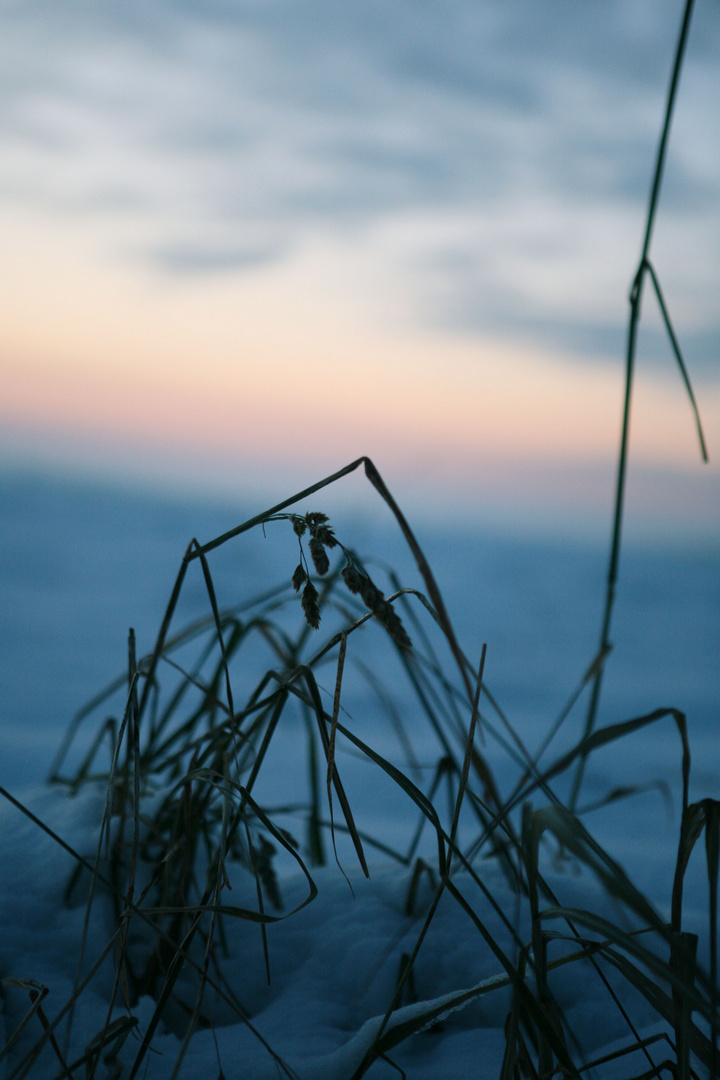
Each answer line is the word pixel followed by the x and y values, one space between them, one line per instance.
pixel 334 966
pixel 80 565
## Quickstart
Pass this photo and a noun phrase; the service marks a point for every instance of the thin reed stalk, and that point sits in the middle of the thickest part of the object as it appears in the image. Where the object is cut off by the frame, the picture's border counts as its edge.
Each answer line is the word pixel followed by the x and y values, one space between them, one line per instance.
pixel 636 292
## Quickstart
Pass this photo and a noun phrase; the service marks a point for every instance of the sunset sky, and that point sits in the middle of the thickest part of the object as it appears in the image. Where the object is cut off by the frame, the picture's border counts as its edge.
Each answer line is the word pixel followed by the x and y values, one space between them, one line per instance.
pixel 244 243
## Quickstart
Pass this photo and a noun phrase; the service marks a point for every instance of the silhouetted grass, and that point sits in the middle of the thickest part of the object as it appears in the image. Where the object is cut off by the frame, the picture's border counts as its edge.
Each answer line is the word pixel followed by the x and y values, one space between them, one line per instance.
pixel 181 766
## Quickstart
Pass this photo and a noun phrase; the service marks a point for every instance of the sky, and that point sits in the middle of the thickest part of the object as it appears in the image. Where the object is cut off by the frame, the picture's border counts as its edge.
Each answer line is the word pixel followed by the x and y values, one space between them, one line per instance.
pixel 244 243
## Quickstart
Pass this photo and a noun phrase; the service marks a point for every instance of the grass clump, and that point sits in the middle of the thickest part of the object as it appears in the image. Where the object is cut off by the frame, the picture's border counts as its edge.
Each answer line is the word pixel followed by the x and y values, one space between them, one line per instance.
pixel 188 817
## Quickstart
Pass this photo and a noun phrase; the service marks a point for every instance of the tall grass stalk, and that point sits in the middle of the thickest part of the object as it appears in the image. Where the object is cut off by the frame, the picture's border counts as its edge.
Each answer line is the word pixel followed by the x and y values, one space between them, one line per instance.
pixel 644 269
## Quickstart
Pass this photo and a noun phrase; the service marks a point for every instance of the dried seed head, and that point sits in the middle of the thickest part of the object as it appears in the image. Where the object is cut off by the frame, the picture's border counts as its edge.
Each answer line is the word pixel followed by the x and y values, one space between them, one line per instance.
pixel 299 525
pixel 371 595
pixel 299 577
pixel 352 578
pixel 310 605
pixel 383 612
pixel 315 518
pixel 325 535
pixel 387 616
pixel 317 524
pixel 319 556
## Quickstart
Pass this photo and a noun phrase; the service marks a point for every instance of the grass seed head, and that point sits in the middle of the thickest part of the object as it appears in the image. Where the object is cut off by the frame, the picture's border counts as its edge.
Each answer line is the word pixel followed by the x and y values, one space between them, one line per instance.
pixel 319 528
pixel 299 577
pixel 315 518
pixel 387 616
pixel 319 556
pixel 310 605
pixel 352 578
pixel 359 582
pixel 371 595
pixel 326 536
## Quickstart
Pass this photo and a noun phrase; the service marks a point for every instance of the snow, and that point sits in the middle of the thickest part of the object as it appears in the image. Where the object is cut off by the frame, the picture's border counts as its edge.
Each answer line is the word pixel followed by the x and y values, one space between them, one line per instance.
pixel 334 963
pixel 334 966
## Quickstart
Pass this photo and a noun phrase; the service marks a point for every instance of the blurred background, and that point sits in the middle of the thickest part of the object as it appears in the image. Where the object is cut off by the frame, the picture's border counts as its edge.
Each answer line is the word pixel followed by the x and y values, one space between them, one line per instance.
pixel 244 243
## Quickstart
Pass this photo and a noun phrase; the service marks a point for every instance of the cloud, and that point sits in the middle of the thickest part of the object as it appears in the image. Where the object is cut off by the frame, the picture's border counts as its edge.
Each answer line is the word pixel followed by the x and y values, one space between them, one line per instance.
pixel 202 259
pixel 529 130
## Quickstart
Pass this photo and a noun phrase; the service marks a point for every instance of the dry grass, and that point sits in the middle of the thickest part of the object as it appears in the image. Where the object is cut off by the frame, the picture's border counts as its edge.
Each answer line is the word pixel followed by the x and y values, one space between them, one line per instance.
pixel 181 768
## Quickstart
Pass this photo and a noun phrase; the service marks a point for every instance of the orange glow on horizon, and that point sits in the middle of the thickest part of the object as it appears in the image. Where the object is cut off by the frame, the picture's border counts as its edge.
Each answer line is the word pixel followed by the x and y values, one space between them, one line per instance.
pixel 285 361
